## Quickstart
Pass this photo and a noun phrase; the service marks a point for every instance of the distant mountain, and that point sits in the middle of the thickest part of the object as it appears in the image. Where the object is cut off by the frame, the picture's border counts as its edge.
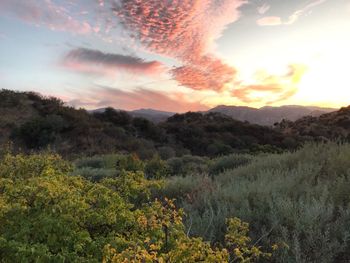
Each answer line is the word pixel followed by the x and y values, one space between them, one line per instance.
pixel 334 125
pixel 155 116
pixel 152 115
pixel 270 115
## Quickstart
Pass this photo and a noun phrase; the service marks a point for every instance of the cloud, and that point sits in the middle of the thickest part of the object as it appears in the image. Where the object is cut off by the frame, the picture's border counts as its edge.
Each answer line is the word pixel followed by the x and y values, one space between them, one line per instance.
pixel 297 14
pixel 209 74
pixel 45 13
pixel 276 20
pixel 271 88
pixel 185 30
pixel 263 9
pixel 139 98
pixel 269 21
pixel 94 61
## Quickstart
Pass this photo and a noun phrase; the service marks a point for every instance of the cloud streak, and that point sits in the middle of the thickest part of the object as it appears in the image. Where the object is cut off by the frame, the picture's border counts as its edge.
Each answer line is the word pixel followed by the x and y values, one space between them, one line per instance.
pixel 276 20
pixel 136 99
pixel 263 9
pixel 94 61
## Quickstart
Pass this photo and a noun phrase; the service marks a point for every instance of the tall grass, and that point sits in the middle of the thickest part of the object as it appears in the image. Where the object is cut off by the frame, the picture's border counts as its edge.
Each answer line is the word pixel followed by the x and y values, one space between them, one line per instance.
pixel 299 200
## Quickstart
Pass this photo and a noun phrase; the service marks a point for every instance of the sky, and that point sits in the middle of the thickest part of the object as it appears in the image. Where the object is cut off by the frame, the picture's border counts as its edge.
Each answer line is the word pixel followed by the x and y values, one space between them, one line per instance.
pixel 178 55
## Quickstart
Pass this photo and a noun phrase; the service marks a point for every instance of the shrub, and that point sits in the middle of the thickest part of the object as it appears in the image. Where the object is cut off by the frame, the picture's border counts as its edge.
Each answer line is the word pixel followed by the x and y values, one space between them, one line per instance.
pixel 156 168
pixel 297 200
pixel 49 216
pixel 228 162
pixel 187 165
pixel 166 152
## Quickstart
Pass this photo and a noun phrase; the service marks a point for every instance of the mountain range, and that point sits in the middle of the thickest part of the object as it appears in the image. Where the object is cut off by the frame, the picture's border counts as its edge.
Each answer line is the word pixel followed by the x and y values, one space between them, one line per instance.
pixel 267 116
pixel 270 115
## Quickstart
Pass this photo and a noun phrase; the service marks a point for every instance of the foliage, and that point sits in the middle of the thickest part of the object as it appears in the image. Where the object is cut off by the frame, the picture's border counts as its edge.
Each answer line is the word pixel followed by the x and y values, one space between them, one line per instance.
pixel 297 200
pixel 99 167
pixel 214 134
pixel 48 216
pixel 41 131
pixel 173 245
pixel 330 126
pixel 166 152
pixel 156 168
pixel 188 165
pixel 228 162
pixel 35 122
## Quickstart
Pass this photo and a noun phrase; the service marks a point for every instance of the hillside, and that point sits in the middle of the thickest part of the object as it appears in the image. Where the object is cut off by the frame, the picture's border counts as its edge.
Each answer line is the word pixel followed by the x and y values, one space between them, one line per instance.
pixel 34 122
pixel 214 134
pixel 270 115
pixel 155 116
pixel 334 125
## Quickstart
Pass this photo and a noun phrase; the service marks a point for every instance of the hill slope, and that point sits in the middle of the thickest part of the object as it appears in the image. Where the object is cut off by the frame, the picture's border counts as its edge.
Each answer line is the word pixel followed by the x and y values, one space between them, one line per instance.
pixel 34 122
pixel 155 116
pixel 270 115
pixel 334 125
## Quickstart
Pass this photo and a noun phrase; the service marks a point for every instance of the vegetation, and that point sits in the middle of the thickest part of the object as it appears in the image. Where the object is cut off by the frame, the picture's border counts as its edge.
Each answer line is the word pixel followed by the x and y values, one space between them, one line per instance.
pixel 194 188
pixel 330 126
pixel 34 122
pixel 298 200
pixel 47 215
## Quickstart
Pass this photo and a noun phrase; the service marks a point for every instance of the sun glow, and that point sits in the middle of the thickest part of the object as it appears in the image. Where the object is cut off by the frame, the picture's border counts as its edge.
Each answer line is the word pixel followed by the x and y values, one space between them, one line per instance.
pixel 326 82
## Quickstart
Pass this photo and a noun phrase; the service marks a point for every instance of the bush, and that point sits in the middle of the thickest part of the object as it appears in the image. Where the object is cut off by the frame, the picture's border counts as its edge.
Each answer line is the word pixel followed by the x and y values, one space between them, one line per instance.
pixel 98 167
pixel 298 200
pixel 49 216
pixel 166 152
pixel 228 162
pixel 156 168
pixel 188 165
pixel 40 132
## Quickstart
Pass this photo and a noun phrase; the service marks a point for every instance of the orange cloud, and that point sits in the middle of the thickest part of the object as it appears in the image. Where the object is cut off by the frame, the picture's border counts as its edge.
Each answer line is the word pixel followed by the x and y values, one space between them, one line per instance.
pixel 270 88
pixel 139 98
pixel 94 61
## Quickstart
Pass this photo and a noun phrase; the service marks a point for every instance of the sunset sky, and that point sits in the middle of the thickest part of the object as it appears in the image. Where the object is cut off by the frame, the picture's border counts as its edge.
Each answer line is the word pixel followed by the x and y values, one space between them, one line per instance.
pixel 178 55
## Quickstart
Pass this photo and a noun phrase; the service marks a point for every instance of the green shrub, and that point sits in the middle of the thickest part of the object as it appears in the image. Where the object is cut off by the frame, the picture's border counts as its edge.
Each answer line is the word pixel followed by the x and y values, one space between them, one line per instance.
pixel 156 168
pixel 95 174
pixel 48 216
pixel 228 162
pixel 188 165
pixel 166 152
pixel 298 200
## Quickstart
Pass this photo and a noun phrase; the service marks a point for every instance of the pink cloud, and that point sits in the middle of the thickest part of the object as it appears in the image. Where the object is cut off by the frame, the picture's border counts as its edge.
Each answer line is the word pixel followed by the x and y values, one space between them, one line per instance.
pixel 185 30
pixel 269 21
pixel 139 98
pixel 94 61
pixel 208 73
pixel 45 13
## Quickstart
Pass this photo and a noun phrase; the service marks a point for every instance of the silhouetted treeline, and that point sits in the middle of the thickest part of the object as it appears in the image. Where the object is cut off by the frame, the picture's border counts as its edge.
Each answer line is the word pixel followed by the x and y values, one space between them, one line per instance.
pixel 33 122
